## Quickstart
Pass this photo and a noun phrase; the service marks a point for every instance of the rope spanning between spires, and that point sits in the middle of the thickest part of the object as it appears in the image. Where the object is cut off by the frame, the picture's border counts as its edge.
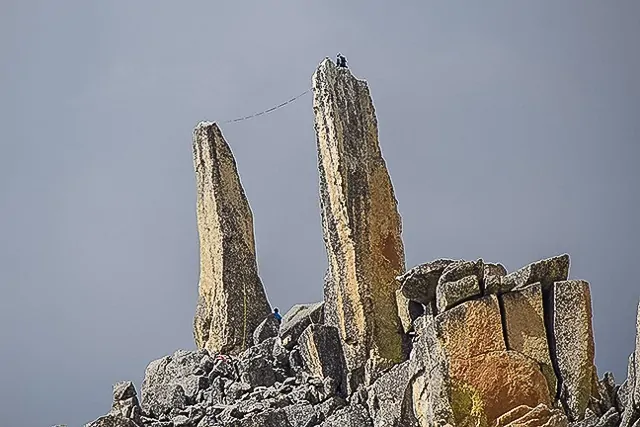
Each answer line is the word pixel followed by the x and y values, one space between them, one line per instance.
pixel 239 119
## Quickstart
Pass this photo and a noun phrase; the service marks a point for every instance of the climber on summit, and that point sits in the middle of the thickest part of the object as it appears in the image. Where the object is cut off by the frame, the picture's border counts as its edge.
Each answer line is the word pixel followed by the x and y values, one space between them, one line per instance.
pixel 276 314
pixel 341 61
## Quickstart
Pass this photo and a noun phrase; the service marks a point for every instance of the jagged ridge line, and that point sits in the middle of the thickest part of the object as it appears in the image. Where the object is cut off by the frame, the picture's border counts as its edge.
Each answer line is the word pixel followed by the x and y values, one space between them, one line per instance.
pixel 239 119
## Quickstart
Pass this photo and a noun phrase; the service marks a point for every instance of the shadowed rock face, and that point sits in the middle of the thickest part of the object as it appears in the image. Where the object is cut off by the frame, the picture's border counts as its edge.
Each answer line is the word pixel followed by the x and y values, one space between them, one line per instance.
pixel 362 227
pixel 231 301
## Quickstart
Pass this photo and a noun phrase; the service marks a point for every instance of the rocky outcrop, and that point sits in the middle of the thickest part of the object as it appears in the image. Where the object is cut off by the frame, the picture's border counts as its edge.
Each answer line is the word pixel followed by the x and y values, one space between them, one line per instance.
pixel 499 341
pixel 125 402
pixel 447 343
pixel 296 320
pixel 125 409
pixel 361 224
pixel 231 301
pixel 172 382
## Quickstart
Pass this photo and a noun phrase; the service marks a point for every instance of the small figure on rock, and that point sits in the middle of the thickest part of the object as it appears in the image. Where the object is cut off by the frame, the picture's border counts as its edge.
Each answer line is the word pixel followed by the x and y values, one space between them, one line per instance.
pixel 277 315
pixel 341 61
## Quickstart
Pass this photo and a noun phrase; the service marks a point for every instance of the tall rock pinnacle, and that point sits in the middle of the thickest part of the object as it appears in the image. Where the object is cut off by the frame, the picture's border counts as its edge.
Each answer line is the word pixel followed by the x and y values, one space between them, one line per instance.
pixel 362 227
pixel 232 301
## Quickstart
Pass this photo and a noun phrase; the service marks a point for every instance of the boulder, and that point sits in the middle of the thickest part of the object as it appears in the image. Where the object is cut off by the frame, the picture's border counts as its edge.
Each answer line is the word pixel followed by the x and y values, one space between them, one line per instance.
pixel 448 294
pixel 525 329
pixel 232 301
pixel 497 285
pixel 257 371
pixel 296 320
pixel 321 353
pixel 268 418
pixel 574 346
pixel 494 279
pixel 461 269
pixel 301 415
pixel 268 328
pixel 351 416
pixel 389 398
pixel 171 382
pixel 112 420
pixel 163 400
pixel 610 419
pixel 546 271
pixel 540 416
pixel 603 395
pixel 419 283
pixel 328 407
pixel 125 402
pixel 491 269
pixel 360 219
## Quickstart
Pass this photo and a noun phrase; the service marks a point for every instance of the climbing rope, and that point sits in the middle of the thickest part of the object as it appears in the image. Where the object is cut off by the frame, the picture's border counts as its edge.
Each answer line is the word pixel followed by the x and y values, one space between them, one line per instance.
pixel 244 328
pixel 239 119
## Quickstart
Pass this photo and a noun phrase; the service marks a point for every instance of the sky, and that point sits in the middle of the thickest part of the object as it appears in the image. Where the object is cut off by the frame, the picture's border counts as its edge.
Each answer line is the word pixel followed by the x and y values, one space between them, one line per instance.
pixel 511 131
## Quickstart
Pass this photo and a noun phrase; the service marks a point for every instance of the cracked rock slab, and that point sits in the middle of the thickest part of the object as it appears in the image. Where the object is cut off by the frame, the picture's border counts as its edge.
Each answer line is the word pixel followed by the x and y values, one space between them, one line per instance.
pixel 546 271
pixel 573 333
pixel 526 333
pixel 296 320
pixel 419 283
pixel 449 294
pixel 321 352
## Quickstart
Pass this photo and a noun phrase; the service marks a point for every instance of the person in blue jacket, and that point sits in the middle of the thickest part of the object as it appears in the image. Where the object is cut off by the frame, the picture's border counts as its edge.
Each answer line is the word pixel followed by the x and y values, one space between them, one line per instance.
pixel 276 314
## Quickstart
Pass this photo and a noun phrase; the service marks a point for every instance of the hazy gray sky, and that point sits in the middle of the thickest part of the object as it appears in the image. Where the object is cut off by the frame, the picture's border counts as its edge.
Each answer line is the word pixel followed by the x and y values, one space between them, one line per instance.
pixel 511 131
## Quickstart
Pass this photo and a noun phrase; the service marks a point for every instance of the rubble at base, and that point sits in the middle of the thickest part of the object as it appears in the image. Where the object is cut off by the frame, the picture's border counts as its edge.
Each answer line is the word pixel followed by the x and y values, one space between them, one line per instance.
pixel 474 364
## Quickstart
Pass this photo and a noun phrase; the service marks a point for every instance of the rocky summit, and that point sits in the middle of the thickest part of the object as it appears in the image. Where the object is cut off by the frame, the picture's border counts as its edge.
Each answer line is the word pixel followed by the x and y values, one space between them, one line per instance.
pixel 449 342
pixel 361 225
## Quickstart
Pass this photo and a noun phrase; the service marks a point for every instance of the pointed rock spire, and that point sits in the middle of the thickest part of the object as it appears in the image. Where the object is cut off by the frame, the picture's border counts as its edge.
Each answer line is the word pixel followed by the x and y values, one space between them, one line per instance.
pixel 232 301
pixel 362 227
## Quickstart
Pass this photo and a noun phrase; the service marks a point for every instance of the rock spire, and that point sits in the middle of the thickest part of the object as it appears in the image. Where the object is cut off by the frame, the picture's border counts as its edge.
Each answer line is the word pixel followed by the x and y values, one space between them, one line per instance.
pixel 362 227
pixel 231 301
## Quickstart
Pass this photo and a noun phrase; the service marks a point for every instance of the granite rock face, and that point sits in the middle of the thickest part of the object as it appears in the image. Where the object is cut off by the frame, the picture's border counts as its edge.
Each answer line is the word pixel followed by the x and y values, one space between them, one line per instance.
pixel 449 294
pixel 268 328
pixel 360 220
pixel 296 320
pixel 574 345
pixel 322 354
pixel 496 341
pixel 232 301
pixel 525 329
